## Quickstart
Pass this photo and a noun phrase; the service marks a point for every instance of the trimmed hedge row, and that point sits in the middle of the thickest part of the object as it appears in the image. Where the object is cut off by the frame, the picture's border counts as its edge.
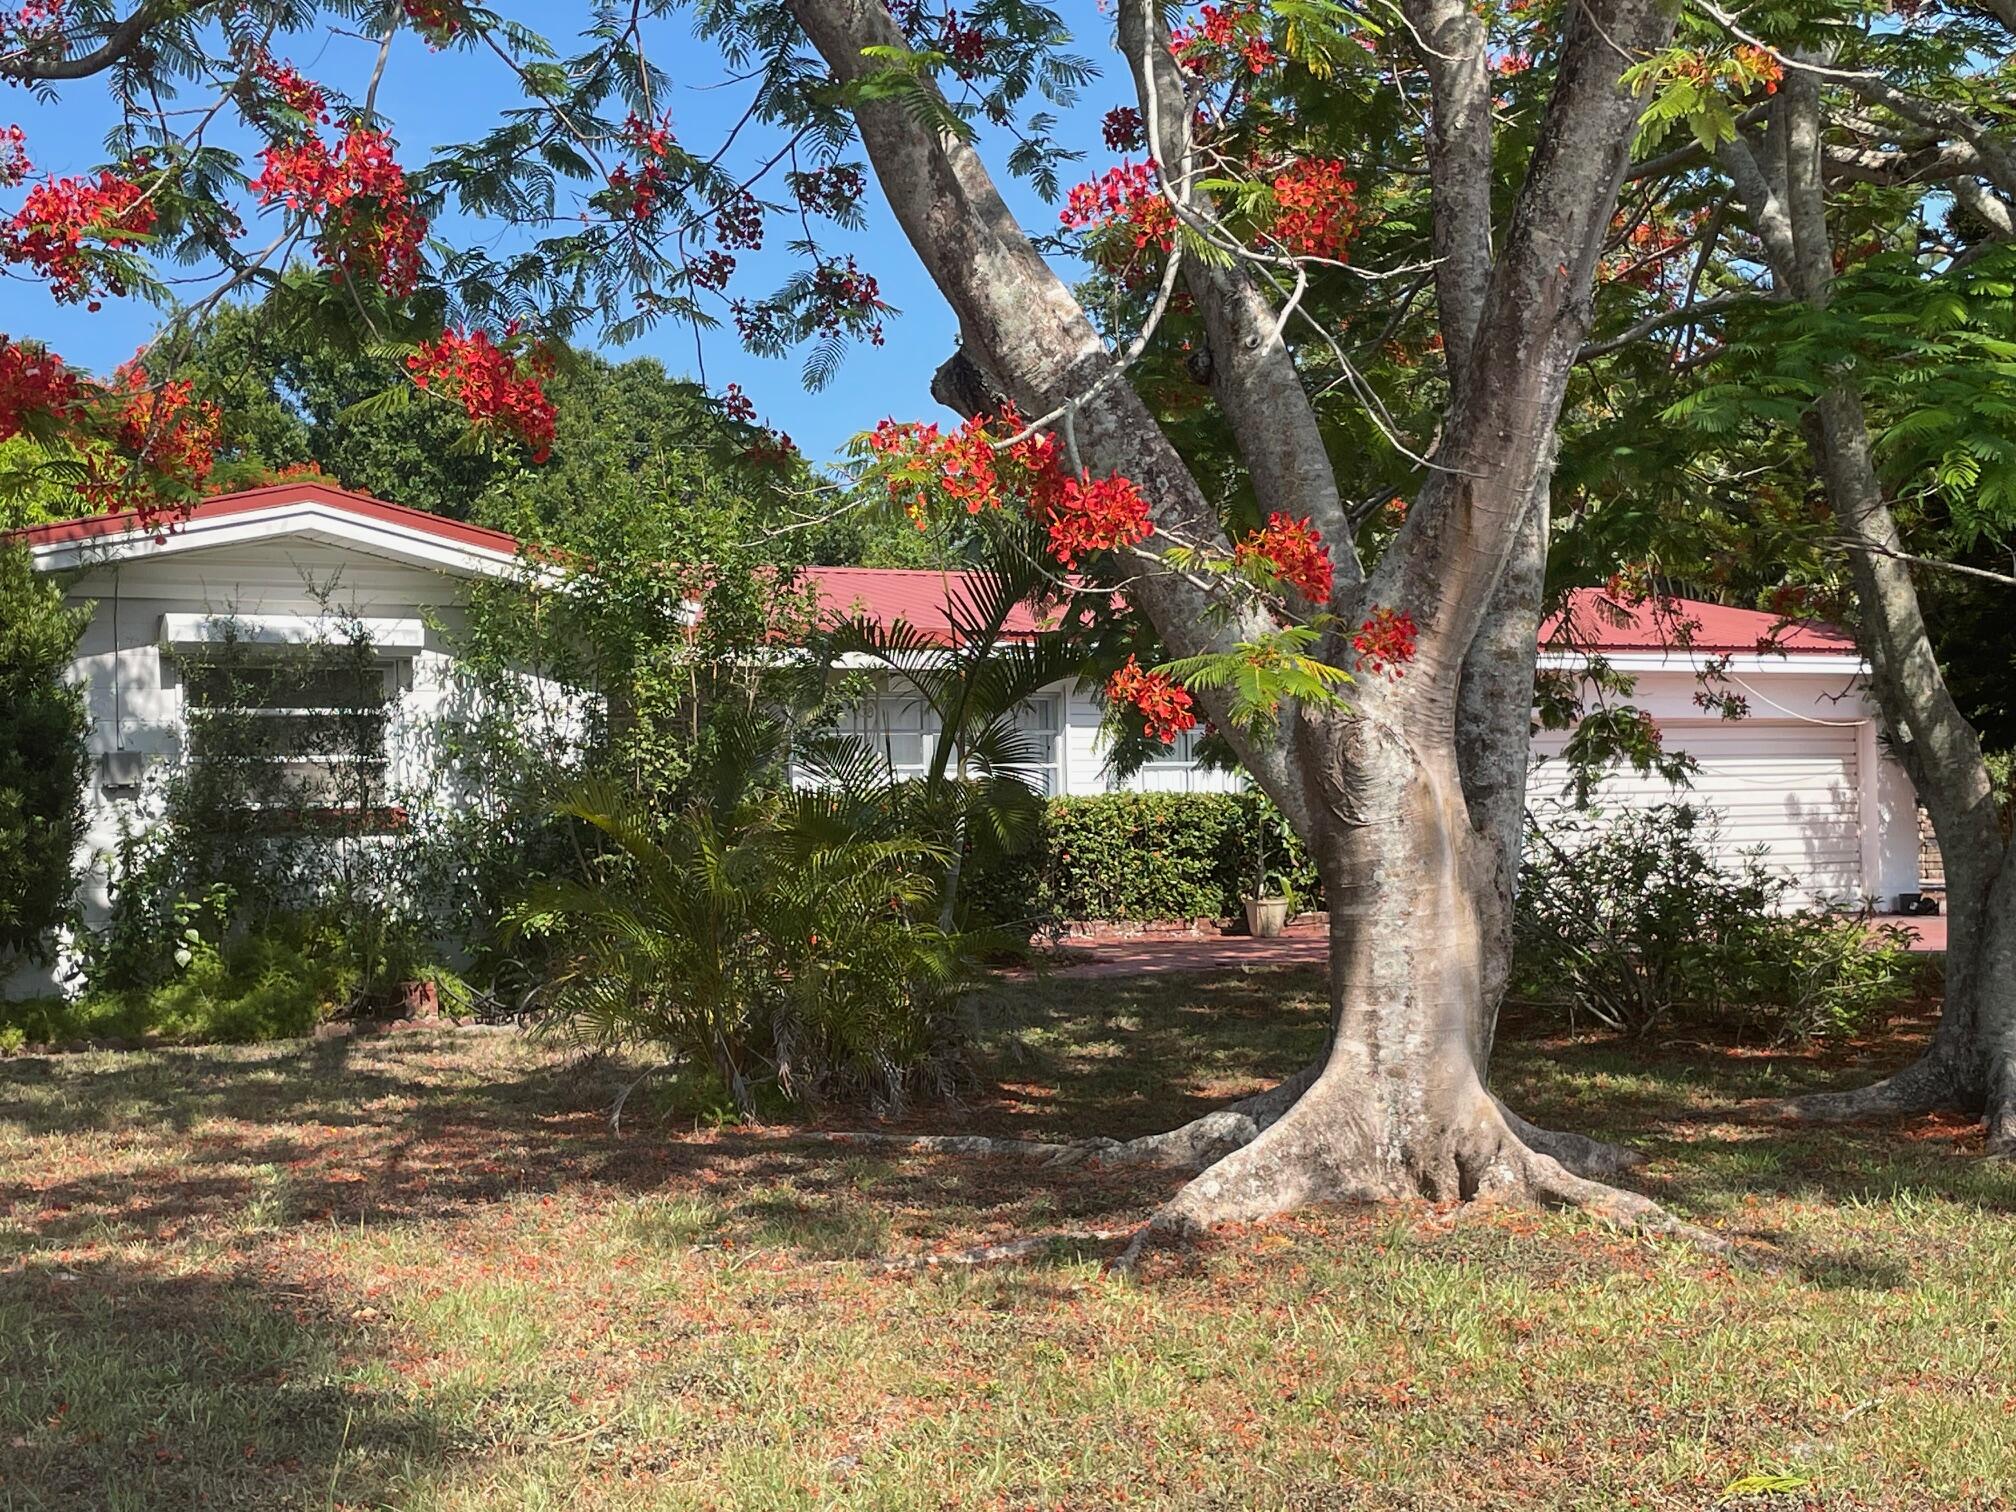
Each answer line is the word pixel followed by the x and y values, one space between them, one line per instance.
pixel 1141 856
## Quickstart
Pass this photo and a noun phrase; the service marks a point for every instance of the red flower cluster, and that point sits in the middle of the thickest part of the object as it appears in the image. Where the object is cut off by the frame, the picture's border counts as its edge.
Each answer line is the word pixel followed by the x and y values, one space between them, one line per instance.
pixel 637 195
pixel 1123 129
pixel 1097 514
pixel 738 224
pixel 1221 34
pixel 1125 202
pixel 1295 552
pixel 369 227
pixel 1762 66
pixel 841 295
pixel 963 43
pixel 163 433
pixel 1125 194
pixel 1081 515
pixel 737 405
pixel 1386 641
pixel 14 164
pixel 961 464
pixel 1316 209
pixel 1166 709
pixel 496 389
pixel 711 271
pixel 774 448
pixel 33 381
pixel 1630 585
pixel 301 95
pixel 52 230
pixel 833 191
pixel 436 20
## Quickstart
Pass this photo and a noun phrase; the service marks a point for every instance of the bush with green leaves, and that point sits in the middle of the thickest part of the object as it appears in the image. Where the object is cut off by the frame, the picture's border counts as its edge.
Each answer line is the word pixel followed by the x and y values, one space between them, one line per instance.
pixel 277 983
pixel 43 757
pixel 1632 918
pixel 764 934
pixel 1145 856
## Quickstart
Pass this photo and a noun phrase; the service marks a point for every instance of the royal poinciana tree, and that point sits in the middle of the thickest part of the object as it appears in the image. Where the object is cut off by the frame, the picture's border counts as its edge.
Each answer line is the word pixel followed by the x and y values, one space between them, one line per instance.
pixel 1301 400
pixel 1842 338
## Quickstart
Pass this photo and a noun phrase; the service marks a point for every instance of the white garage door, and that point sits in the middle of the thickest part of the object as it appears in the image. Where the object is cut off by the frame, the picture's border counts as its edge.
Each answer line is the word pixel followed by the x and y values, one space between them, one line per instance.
pixel 1788 788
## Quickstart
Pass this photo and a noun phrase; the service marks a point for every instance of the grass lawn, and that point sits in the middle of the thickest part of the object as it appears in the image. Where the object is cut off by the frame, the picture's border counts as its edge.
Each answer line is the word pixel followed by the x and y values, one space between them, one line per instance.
pixel 418 1271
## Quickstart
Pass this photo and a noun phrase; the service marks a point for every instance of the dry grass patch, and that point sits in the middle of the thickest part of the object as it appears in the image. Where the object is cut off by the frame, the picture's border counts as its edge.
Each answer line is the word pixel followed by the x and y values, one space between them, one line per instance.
pixel 420 1272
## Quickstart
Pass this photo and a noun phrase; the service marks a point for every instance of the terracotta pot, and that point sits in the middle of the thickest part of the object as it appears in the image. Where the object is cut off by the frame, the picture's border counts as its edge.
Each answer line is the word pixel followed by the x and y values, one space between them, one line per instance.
pixel 1266 917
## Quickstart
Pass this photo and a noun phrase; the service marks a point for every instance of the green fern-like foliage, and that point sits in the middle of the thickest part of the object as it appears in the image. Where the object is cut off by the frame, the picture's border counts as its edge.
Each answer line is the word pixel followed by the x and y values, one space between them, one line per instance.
pixel 766 936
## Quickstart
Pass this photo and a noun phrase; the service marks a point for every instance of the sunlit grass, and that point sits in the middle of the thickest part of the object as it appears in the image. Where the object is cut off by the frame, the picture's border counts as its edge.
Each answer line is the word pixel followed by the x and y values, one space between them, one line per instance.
pixel 418 1271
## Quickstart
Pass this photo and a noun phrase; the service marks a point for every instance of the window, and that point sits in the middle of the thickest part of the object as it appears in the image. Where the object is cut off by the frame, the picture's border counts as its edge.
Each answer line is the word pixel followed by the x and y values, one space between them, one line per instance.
pixel 1040 720
pixel 1174 769
pixel 295 728
pixel 905 731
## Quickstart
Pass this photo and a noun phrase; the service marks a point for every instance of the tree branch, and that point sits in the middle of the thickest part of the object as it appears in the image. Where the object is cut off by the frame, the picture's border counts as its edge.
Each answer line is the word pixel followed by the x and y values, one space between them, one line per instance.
pixel 1025 330
pixel 1688 314
pixel 1253 374
pixel 1450 38
pixel 119 43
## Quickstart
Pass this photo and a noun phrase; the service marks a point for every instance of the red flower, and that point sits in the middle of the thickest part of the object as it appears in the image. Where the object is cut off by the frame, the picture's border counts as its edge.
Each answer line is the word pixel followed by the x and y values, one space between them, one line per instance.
pixel 497 390
pixel 33 381
pixel 436 20
pixel 1296 554
pixel 1316 209
pixel 1385 642
pixel 1166 710
pixel 301 95
pixel 160 432
pixel 1096 515
pixel 969 467
pixel 358 192
pixel 57 224
pixel 1123 129
pixel 1127 198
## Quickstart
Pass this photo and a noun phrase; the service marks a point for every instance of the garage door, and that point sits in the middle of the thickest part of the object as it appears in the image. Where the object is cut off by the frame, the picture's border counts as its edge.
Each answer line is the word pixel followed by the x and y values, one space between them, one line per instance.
pixel 1789 789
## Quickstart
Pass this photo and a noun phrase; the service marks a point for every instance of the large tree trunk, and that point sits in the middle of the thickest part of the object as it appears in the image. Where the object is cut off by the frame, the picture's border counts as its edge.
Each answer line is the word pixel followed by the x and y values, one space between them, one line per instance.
pixel 1414 852
pixel 1971 1063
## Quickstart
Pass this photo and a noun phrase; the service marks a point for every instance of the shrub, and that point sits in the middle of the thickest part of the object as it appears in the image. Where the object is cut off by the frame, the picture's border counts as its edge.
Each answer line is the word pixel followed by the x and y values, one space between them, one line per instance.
pixel 764 939
pixel 275 984
pixel 43 759
pixel 1633 918
pixel 1143 856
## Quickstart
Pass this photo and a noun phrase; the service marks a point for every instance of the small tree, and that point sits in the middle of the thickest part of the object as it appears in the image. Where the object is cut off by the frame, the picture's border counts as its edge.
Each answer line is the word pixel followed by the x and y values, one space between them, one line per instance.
pixel 43 759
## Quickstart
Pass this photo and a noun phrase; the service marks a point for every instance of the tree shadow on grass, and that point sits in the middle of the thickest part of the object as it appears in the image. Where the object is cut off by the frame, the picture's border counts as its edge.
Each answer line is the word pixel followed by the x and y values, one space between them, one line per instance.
pixel 128 1386
pixel 1697 1107
pixel 235 1146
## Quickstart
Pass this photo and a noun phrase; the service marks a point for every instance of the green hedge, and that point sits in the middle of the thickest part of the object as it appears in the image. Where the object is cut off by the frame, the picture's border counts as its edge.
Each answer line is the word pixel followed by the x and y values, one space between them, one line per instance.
pixel 1141 856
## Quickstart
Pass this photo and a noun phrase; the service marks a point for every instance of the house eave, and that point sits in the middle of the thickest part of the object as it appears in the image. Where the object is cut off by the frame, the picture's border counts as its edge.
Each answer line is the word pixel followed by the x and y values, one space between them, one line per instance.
pixel 311 518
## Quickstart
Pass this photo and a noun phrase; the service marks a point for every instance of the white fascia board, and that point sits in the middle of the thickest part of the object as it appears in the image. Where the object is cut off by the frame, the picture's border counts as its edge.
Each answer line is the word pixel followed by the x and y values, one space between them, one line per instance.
pixel 304 517
pixel 385 635
pixel 1748 663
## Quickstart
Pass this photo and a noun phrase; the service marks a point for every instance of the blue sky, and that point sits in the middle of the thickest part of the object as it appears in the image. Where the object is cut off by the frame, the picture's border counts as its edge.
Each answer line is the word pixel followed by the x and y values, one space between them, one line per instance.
pixel 438 98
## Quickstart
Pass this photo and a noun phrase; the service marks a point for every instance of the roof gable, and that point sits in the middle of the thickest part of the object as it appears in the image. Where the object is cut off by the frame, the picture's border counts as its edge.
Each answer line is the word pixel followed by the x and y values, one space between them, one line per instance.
pixel 317 510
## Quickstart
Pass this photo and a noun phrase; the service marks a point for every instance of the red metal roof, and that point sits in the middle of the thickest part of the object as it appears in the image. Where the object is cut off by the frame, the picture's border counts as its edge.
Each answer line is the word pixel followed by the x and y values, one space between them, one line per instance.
pixel 921 596
pixel 90 527
pixel 1598 622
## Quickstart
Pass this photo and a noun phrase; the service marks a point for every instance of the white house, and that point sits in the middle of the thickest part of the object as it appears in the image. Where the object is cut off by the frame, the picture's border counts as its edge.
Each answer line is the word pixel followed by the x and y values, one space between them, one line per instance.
pixel 1804 777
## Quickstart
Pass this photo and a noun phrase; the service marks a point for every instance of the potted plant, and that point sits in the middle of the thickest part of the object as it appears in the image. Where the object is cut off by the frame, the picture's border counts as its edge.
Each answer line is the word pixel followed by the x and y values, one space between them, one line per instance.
pixel 1272 898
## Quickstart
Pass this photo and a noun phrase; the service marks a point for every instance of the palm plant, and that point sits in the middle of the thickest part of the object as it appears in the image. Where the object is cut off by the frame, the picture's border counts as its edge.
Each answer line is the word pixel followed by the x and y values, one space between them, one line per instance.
pixel 760 932
pixel 980 789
